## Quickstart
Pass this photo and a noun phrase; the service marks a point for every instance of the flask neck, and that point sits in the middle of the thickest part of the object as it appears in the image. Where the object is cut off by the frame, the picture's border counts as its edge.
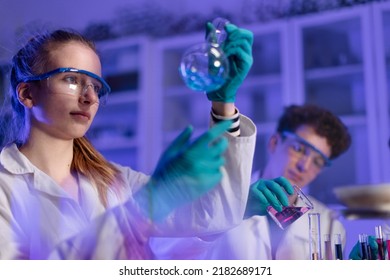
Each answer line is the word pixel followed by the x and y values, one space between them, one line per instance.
pixel 218 35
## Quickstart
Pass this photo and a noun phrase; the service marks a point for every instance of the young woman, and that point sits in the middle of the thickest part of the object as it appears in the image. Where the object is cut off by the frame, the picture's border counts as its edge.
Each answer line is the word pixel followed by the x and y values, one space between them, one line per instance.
pixel 60 198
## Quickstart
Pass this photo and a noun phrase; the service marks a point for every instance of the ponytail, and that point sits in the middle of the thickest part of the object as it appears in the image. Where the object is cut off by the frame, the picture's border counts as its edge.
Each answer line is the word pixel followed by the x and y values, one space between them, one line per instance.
pixel 89 162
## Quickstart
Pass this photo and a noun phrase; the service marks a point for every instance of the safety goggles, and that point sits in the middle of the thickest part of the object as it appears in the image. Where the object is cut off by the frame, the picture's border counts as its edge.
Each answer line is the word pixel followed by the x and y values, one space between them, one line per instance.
pixel 74 81
pixel 301 147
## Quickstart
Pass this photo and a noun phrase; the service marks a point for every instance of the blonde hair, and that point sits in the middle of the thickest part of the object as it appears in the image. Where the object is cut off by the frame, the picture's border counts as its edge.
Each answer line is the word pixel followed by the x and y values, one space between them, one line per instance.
pixel 89 162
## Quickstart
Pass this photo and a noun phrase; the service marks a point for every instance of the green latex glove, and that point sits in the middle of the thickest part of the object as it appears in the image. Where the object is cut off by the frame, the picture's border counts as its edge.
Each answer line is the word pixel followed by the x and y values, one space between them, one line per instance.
pixel 238 49
pixel 356 254
pixel 264 193
pixel 186 170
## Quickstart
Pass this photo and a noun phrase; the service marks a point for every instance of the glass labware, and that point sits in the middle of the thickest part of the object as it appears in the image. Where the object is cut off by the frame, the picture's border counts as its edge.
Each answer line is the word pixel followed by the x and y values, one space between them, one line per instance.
pixel 315 236
pixel 328 255
pixel 291 213
pixel 338 247
pixel 381 243
pixel 204 66
pixel 364 247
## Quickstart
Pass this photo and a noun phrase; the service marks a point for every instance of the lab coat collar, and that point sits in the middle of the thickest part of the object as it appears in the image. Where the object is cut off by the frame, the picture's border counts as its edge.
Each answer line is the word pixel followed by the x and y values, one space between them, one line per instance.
pixel 14 161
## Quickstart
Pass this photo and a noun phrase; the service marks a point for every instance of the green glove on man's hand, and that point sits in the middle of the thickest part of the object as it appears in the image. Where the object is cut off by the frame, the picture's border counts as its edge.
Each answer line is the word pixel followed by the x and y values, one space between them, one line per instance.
pixel 264 193
pixel 186 170
pixel 238 49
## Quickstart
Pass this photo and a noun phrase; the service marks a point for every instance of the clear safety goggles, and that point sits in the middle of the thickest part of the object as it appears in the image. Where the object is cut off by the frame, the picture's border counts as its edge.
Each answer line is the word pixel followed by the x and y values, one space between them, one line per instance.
pixel 75 82
pixel 300 147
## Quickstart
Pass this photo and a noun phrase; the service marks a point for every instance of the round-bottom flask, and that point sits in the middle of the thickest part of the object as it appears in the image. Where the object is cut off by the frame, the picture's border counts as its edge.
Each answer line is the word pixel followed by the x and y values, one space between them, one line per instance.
pixel 204 66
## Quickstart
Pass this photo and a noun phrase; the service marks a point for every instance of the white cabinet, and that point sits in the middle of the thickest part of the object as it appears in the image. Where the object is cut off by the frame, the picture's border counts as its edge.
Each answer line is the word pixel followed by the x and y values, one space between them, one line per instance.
pixel 120 129
pixel 381 50
pixel 334 67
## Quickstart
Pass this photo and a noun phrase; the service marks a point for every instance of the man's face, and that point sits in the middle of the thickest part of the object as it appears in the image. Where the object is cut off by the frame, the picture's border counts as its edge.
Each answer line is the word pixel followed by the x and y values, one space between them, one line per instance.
pixel 298 156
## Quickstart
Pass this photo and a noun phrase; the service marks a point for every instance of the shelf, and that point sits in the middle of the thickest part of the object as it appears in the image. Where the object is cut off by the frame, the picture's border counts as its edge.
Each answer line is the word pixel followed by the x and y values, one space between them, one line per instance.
pixel 122 97
pixel 341 72
pixel 262 80
pixel 354 120
pixel 179 90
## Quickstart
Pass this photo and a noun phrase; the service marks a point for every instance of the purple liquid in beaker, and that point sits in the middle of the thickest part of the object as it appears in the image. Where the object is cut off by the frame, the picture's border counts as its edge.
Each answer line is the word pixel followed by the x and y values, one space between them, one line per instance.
pixel 287 216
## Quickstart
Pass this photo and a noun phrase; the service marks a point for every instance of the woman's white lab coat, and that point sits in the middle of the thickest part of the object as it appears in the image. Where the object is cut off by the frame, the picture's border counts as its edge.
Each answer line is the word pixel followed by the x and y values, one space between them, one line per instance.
pixel 39 220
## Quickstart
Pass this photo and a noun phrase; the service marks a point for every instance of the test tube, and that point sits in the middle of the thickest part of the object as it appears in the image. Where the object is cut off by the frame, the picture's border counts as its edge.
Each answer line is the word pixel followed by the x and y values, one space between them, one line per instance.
pixel 328 247
pixel 363 246
pixel 388 245
pixel 337 247
pixel 380 242
pixel 315 236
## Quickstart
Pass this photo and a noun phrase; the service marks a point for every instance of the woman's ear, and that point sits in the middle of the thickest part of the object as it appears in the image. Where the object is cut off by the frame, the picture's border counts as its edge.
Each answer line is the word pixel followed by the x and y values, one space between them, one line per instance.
pixel 273 142
pixel 24 94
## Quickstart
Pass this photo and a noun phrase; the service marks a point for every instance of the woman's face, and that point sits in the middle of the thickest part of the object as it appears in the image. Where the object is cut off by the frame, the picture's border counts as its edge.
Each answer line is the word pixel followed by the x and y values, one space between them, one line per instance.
pixel 55 111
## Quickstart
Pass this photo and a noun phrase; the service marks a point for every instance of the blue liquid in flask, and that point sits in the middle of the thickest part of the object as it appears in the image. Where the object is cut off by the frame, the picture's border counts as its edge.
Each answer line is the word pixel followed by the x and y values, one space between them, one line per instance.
pixel 204 67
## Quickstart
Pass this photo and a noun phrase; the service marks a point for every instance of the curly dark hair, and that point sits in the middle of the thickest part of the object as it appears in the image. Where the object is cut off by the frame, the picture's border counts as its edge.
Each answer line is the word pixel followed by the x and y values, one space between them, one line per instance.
pixel 324 123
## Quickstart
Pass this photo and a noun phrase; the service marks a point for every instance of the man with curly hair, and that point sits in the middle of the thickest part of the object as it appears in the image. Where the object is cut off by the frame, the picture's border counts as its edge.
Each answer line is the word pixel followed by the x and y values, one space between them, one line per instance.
pixel 306 140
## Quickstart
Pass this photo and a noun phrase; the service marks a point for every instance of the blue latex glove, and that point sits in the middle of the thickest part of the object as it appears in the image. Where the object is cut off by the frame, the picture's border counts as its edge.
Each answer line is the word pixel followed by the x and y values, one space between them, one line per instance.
pixel 238 49
pixel 186 170
pixel 264 193
pixel 356 254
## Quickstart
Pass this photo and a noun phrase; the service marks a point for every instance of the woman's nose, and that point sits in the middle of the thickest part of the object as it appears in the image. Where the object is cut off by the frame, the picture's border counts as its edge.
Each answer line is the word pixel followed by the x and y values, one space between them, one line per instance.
pixel 88 94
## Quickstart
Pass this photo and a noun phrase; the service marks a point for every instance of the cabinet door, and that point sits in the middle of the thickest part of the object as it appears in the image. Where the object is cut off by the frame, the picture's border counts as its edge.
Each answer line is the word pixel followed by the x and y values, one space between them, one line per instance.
pixel 117 131
pixel 381 49
pixel 265 91
pixel 4 89
pixel 4 80
pixel 176 106
pixel 334 69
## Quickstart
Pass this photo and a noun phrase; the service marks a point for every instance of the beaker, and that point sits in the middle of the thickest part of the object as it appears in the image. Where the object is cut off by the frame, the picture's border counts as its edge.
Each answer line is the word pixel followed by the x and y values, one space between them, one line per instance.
pixel 204 66
pixel 293 212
